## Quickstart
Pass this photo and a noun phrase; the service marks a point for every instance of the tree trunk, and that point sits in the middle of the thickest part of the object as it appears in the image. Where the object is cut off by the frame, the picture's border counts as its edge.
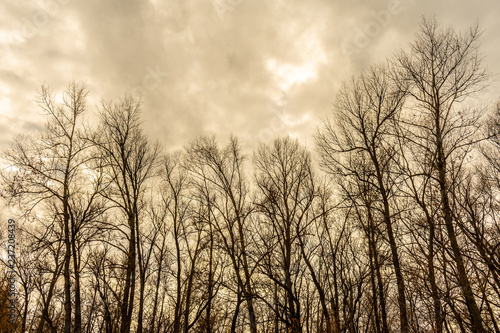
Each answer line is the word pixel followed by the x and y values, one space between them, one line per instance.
pixel 76 268
pixel 128 296
pixel 463 279
pixel 394 249
pixel 67 261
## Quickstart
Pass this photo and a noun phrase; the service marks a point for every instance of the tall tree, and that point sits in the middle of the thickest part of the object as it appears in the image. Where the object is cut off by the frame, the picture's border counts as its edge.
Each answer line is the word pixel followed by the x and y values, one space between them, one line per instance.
pixel 220 174
pixel 48 167
pixel 287 192
pixel 442 69
pixel 128 160
pixel 366 113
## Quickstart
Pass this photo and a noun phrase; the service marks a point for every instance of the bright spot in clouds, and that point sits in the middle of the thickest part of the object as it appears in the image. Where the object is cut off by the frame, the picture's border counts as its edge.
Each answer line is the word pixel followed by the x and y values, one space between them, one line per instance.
pixel 286 75
pixel 5 108
pixel 310 52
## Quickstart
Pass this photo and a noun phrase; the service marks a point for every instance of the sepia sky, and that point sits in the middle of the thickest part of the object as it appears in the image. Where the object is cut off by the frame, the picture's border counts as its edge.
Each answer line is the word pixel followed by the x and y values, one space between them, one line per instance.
pixel 258 69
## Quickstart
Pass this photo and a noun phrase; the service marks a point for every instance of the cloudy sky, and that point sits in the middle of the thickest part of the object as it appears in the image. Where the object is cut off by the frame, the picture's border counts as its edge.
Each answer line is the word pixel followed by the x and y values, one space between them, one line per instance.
pixel 258 69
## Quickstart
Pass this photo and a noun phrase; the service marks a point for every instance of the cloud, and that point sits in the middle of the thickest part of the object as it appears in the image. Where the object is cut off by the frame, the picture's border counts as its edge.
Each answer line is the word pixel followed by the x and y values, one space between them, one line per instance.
pixel 261 70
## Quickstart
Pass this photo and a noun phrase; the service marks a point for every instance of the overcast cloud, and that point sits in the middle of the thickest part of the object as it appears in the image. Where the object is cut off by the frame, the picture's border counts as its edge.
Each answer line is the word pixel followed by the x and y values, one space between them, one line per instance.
pixel 258 69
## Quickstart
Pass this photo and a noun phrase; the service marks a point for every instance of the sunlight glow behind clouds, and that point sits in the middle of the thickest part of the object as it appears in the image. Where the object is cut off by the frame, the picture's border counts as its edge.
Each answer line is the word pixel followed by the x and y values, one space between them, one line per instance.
pixel 5 107
pixel 287 74
pixel 312 55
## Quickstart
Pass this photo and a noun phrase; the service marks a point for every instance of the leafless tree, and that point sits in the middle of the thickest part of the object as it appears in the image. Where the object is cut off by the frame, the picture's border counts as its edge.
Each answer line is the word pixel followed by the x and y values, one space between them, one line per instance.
pixel 128 161
pixel 47 168
pixel 366 113
pixel 442 69
pixel 286 195
pixel 220 174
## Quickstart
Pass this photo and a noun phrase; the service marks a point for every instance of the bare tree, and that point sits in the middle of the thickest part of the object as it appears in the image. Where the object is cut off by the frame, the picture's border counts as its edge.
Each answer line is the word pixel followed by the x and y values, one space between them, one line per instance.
pixel 220 173
pixel 366 113
pixel 287 192
pixel 128 161
pixel 441 71
pixel 176 204
pixel 48 167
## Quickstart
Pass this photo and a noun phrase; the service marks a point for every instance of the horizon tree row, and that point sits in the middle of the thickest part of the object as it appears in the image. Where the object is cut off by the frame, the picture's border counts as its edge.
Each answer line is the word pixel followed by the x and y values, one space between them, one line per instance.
pixel 396 230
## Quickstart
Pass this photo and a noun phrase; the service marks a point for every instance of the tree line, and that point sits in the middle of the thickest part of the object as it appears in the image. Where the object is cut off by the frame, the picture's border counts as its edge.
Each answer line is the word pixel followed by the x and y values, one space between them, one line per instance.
pixel 393 227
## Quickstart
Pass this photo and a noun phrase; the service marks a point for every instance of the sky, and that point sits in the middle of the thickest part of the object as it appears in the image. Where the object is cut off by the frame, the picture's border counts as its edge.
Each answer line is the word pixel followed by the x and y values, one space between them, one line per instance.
pixel 256 69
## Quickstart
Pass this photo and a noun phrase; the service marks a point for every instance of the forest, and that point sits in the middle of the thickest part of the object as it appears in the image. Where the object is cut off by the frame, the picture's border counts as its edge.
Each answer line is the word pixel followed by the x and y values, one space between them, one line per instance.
pixel 388 223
